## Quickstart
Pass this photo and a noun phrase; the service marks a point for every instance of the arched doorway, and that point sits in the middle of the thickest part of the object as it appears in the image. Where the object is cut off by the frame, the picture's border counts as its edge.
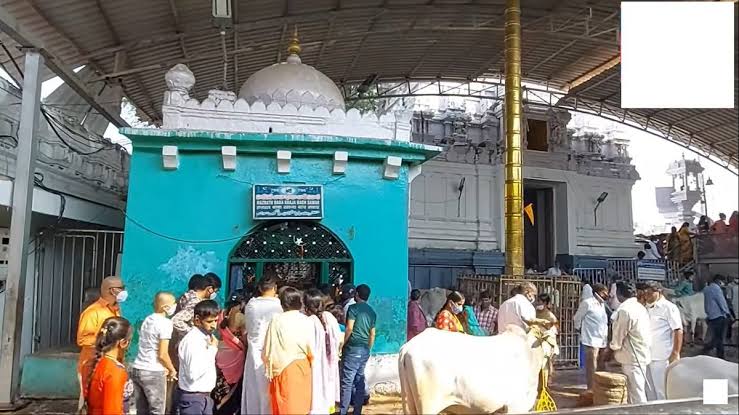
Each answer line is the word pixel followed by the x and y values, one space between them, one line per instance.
pixel 300 253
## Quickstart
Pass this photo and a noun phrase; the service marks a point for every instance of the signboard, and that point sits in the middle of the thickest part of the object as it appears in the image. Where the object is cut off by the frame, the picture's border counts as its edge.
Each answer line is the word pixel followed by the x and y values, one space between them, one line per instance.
pixel 650 271
pixel 287 202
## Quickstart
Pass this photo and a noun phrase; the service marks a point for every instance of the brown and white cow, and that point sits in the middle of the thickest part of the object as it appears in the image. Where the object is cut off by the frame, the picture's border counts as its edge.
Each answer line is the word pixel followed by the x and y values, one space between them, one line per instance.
pixel 440 370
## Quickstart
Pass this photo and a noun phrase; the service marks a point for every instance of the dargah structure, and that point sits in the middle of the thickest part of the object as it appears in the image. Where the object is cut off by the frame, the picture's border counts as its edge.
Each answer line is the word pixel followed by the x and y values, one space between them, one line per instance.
pixel 282 180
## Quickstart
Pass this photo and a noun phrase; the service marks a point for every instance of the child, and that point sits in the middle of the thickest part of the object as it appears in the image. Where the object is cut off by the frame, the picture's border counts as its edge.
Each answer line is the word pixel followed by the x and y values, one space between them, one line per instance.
pixel 197 353
pixel 152 367
pixel 544 312
pixel 108 386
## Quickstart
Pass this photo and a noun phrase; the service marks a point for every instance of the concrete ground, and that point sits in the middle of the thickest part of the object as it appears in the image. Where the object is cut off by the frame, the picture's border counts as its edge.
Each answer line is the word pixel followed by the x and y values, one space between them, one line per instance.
pixel 566 386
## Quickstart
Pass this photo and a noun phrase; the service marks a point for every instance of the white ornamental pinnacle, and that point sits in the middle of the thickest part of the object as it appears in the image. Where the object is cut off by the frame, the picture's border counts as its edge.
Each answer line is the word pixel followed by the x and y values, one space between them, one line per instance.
pixel 292 82
pixel 180 79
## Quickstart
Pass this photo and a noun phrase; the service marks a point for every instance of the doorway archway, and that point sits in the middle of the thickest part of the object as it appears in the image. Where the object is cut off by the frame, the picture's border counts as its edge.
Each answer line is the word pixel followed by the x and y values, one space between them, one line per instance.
pixel 302 254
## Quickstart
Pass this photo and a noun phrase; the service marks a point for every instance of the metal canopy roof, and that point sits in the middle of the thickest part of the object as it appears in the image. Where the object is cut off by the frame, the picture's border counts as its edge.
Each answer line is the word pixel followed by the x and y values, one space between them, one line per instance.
pixel 136 41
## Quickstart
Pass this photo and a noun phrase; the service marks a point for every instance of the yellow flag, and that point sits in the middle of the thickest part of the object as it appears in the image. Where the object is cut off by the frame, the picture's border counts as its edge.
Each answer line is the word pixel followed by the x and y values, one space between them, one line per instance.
pixel 529 211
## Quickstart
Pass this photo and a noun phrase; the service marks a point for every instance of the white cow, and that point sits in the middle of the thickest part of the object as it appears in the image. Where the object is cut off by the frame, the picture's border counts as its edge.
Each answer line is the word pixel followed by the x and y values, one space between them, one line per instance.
pixel 441 370
pixel 691 310
pixel 431 302
pixel 684 378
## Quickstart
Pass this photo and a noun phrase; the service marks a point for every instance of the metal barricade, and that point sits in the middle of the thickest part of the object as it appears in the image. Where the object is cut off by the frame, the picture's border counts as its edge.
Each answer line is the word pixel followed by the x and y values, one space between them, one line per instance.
pixel 69 263
pixel 565 293
pixel 591 275
pixel 627 269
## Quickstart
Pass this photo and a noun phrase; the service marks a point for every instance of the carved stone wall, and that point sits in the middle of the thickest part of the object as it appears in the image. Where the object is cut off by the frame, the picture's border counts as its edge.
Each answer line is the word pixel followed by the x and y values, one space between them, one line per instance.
pixel 101 177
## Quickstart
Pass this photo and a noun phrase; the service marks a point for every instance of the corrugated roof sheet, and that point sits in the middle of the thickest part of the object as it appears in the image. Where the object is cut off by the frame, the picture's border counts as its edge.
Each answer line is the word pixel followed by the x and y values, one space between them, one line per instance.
pixel 348 40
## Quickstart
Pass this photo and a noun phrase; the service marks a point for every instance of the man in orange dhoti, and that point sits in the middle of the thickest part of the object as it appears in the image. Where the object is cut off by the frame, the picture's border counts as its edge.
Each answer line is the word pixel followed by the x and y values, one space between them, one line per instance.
pixel 287 356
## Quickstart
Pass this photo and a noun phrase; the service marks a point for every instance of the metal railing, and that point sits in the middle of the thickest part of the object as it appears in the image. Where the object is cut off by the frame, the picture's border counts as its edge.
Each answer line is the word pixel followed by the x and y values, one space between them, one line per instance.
pixel 565 293
pixel 69 264
pixel 716 246
pixel 627 269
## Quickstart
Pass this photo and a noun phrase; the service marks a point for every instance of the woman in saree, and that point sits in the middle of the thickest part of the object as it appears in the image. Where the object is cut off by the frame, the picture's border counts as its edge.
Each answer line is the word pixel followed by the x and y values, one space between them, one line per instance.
pixel 686 244
pixel 449 316
pixel 287 356
pixel 325 348
pixel 230 360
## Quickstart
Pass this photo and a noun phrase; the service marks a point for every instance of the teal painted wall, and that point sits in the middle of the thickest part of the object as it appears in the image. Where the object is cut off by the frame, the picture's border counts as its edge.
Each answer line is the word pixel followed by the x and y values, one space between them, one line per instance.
pixel 50 376
pixel 201 202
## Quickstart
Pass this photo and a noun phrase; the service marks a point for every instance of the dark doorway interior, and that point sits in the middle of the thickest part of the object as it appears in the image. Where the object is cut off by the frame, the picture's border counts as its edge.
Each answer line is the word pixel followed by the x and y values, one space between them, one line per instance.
pixel 539 237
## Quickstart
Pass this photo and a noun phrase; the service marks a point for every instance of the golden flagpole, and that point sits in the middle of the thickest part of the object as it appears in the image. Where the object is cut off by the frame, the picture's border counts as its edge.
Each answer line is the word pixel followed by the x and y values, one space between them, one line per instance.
pixel 513 166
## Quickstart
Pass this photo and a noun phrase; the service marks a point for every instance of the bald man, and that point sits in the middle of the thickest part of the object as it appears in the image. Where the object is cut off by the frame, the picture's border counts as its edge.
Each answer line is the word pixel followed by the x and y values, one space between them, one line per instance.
pixel 112 292
pixel 153 368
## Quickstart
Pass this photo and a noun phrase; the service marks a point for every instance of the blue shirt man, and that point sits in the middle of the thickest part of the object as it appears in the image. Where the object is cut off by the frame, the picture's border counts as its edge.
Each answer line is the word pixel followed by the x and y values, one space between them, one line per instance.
pixel 716 312
pixel 715 303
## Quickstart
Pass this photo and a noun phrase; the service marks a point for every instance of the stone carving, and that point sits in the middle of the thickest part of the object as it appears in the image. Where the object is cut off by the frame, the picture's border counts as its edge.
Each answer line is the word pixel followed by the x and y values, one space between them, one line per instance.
pixel 216 96
pixel 180 81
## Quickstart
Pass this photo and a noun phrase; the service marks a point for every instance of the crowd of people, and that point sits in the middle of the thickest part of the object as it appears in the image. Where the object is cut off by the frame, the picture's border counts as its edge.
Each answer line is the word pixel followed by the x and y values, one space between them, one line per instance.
pixel 271 349
pixel 643 331
pixel 678 244
pixel 280 350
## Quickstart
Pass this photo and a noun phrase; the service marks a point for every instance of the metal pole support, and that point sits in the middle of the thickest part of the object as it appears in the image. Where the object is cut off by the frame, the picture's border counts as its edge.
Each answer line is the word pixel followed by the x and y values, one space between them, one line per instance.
pixel 20 226
pixel 514 157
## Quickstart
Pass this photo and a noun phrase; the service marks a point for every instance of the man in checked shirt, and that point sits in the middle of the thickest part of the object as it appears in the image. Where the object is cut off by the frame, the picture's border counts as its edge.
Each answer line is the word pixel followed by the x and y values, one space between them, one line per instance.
pixel 486 314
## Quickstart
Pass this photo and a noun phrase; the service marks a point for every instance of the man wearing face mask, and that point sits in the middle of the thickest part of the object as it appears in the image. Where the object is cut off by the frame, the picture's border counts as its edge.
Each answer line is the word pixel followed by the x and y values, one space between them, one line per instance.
pixel 202 287
pixel 667 336
pixel 112 292
pixel 519 310
pixel 153 367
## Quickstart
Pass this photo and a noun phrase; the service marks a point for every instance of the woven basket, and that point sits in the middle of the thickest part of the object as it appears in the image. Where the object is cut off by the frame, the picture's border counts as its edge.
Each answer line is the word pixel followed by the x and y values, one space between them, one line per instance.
pixel 609 379
pixel 614 394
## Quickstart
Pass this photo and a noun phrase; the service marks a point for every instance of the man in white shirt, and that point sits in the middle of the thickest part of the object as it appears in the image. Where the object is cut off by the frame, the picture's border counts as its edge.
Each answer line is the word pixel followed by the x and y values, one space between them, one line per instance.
pixel 591 322
pixel 554 271
pixel 631 341
pixel 152 367
pixel 519 310
pixel 667 336
pixel 587 290
pixel 650 251
pixel 197 352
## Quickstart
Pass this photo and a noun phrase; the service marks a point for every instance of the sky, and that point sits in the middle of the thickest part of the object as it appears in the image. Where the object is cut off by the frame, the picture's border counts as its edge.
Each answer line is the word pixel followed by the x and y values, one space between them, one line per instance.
pixel 650 154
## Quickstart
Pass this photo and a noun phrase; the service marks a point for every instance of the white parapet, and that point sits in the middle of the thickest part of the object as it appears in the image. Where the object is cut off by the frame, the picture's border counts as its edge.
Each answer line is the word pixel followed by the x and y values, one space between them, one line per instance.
pixel 221 111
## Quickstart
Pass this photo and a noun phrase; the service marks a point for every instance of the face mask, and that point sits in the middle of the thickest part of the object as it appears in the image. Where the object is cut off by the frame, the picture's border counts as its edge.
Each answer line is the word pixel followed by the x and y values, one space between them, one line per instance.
pixel 540 307
pixel 170 310
pixel 121 296
pixel 214 295
pixel 456 309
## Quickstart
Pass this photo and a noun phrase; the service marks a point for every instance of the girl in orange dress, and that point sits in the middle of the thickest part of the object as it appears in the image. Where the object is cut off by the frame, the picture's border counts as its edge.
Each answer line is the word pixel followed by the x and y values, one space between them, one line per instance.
pixel 108 383
pixel 448 317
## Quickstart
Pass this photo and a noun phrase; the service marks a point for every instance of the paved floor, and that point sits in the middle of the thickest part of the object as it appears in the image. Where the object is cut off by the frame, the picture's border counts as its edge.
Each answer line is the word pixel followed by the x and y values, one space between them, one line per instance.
pixel 565 389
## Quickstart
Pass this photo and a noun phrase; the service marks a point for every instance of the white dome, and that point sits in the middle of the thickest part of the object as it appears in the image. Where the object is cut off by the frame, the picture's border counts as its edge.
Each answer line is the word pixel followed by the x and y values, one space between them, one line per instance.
pixel 292 82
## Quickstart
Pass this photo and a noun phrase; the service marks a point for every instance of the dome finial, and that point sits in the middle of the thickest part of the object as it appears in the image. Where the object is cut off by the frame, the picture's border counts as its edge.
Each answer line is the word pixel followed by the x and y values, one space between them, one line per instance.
pixel 293 48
